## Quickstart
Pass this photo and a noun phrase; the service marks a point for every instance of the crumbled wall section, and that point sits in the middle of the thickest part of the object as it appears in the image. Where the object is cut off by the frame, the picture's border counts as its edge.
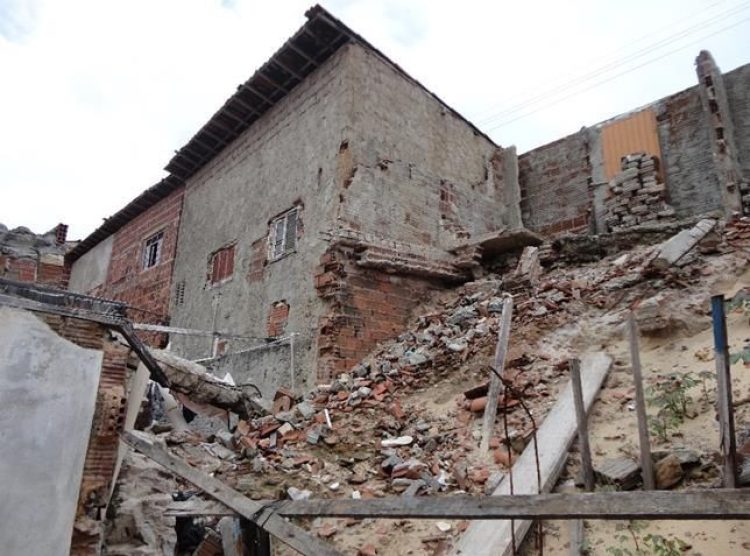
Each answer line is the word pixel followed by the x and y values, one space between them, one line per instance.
pixel 28 257
pixel 365 306
pixel 101 455
pixel 554 181
pixel 147 291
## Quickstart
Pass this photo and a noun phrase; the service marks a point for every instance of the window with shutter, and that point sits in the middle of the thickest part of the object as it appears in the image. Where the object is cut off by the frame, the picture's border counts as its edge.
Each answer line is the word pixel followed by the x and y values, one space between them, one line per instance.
pixel 282 237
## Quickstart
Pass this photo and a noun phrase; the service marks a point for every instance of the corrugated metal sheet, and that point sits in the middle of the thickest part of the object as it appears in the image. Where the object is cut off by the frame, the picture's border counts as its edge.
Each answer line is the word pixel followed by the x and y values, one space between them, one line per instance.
pixel 636 133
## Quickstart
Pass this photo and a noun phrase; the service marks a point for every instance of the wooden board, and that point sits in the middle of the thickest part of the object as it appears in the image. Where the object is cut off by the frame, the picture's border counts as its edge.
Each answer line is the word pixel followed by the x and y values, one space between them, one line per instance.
pixel 261 514
pixel 701 505
pixel 555 436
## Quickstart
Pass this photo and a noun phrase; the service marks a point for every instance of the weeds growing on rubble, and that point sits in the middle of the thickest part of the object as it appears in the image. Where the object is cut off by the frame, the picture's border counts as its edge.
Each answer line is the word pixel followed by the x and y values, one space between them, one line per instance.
pixel 646 545
pixel 670 395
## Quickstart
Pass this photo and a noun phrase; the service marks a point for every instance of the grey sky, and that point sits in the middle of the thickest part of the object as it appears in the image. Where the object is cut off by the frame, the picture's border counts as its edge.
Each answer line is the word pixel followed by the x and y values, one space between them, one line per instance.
pixel 96 95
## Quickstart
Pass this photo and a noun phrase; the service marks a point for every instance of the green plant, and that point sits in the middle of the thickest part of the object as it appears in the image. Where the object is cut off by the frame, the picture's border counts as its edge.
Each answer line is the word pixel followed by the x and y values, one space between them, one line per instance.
pixel 704 377
pixel 743 354
pixel 650 544
pixel 662 546
pixel 670 395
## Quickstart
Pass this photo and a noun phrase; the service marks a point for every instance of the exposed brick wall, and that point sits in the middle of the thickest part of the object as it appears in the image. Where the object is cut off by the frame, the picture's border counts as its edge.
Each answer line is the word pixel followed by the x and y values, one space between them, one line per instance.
pixel 101 455
pixel 36 270
pixel 554 181
pixel 277 318
pixel 366 306
pixel 258 256
pixel 127 280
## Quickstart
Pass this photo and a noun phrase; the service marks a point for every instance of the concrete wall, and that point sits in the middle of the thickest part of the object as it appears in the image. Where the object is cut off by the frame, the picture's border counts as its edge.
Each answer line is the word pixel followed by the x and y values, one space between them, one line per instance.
pixel 288 156
pixel 412 169
pixel 737 83
pixel 89 272
pixel 48 391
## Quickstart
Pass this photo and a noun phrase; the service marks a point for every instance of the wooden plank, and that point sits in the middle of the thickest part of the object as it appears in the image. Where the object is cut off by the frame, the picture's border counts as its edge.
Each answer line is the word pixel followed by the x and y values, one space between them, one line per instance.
pixel 607 505
pixel 496 386
pixel 724 392
pixel 576 537
pixel 583 429
pixel 260 514
pixel 612 505
pixel 647 465
pixel 554 438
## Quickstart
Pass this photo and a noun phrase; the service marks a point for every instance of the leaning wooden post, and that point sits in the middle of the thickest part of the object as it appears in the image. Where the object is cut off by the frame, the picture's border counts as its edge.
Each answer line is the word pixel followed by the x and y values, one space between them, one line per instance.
pixel 583 429
pixel 724 390
pixel 490 410
pixel 647 464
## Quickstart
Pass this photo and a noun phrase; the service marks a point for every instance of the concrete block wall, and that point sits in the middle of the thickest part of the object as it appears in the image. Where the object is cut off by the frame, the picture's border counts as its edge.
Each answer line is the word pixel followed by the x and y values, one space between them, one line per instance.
pixel 570 170
pixel 737 84
pixel 687 162
pixel 554 181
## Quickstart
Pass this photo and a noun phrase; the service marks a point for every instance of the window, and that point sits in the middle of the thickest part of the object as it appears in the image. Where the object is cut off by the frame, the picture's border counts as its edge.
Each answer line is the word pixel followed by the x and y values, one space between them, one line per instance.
pixel 221 265
pixel 282 238
pixel 152 250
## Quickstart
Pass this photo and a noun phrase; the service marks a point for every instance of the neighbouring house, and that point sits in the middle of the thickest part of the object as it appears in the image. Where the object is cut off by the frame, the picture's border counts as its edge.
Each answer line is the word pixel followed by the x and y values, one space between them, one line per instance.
pixel 36 258
pixel 332 193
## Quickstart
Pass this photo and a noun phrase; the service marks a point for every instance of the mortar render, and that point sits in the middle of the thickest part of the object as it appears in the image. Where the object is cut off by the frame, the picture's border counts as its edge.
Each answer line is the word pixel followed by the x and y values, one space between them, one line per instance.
pixel 289 155
pixel 89 272
pixel 47 398
pixel 404 145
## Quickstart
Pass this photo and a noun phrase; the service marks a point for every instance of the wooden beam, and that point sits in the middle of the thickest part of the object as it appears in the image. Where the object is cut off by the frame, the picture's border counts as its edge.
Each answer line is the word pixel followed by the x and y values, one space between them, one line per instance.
pixel 496 385
pixel 718 504
pixel 554 438
pixel 647 465
pixel 583 429
pixel 260 514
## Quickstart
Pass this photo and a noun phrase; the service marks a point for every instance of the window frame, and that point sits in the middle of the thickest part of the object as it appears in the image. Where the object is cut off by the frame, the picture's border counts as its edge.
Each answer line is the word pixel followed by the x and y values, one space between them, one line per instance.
pixel 278 236
pixel 211 265
pixel 155 239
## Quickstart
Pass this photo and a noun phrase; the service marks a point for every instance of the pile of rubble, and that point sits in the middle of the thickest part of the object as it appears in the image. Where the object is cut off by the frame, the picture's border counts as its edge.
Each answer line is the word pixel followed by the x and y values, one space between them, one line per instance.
pixel 637 196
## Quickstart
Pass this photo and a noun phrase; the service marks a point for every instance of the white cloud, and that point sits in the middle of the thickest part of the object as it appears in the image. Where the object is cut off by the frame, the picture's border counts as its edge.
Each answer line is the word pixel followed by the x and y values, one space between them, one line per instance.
pixel 97 95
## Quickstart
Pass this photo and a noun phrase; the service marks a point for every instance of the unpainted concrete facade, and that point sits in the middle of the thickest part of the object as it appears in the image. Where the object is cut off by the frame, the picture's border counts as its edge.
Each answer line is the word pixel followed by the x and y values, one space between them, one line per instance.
pixel 428 185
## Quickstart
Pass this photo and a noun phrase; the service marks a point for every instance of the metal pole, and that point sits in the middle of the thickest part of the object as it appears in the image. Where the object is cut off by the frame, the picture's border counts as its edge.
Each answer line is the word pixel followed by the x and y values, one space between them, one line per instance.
pixel 724 388
pixel 647 465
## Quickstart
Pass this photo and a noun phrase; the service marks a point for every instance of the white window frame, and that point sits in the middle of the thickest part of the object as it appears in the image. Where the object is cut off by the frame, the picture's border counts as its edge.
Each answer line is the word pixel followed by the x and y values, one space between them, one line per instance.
pixel 278 248
pixel 157 240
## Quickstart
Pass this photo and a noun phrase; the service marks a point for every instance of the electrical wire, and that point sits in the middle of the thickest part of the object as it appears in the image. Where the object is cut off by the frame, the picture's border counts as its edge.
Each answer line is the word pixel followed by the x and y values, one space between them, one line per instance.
pixel 597 84
pixel 612 66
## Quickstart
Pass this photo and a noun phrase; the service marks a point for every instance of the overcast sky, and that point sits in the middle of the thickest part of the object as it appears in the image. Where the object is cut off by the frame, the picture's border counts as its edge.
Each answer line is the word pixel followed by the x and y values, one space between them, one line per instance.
pixel 96 95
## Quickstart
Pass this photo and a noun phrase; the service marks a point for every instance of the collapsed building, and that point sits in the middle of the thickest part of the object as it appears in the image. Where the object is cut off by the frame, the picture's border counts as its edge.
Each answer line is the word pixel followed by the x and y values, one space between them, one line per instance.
pixel 305 211
pixel 326 200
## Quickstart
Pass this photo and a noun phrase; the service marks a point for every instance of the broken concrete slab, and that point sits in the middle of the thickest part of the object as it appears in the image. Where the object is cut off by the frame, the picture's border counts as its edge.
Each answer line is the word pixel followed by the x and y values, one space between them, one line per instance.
pixel 622 472
pixel 48 391
pixel 679 245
